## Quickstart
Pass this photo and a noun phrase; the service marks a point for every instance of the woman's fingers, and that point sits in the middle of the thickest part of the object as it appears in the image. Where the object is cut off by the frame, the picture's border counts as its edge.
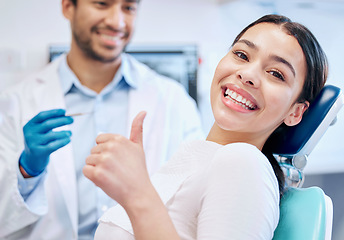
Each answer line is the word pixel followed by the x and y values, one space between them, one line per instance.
pixel 88 171
pixel 106 137
pixel 137 128
pixel 117 164
pixel 91 160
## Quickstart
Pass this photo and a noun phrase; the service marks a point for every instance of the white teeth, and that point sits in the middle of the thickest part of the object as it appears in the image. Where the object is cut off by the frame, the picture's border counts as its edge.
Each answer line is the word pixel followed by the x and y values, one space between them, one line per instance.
pixel 238 99
pixel 233 95
pixel 227 91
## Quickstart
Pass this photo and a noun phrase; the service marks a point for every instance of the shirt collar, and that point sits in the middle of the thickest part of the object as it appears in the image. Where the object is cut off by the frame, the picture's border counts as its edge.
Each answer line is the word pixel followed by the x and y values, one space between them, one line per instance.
pixel 127 72
pixel 67 75
pixel 70 80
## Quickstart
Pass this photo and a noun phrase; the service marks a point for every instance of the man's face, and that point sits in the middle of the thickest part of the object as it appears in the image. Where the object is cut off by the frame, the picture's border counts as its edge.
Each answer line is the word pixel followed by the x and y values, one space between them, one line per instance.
pixel 102 29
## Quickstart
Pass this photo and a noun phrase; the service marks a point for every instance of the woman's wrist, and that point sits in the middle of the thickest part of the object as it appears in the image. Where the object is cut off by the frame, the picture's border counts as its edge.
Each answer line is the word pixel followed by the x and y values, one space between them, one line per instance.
pixel 142 202
pixel 147 213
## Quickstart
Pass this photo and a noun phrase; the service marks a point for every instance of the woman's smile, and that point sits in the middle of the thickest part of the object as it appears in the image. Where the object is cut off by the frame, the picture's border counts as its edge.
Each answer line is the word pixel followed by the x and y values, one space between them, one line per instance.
pixel 238 99
pixel 243 101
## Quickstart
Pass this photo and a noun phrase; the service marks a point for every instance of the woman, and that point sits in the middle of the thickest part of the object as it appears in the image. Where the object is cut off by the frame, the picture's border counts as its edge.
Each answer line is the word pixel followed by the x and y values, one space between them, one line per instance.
pixel 224 187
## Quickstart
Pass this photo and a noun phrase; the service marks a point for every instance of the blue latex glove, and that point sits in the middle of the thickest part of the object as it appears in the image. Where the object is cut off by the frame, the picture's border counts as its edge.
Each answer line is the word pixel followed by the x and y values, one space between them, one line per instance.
pixel 41 140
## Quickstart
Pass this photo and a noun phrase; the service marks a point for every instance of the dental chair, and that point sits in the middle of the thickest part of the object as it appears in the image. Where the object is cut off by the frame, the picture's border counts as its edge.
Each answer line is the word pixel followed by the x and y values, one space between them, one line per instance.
pixel 305 213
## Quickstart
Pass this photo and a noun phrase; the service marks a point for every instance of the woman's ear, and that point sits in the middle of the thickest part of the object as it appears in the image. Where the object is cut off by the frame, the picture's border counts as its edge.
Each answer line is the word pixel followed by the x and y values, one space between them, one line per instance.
pixel 295 114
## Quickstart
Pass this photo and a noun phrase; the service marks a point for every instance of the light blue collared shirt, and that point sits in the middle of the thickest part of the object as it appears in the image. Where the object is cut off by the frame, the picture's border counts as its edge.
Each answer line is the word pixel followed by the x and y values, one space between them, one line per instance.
pixel 106 113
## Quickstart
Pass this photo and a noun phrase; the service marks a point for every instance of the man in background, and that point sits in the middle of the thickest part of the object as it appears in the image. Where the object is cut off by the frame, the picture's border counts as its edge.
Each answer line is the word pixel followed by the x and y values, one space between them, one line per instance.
pixel 49 123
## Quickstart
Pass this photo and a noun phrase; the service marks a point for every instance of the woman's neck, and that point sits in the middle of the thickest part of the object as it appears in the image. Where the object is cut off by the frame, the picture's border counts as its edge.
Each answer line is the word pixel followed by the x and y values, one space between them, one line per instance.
pixel 224 137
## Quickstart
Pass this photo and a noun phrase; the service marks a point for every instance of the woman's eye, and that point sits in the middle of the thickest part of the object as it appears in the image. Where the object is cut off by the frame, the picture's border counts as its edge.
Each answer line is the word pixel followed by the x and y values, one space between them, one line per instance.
pixel 241 55
pixel 100 3
pixel 277 74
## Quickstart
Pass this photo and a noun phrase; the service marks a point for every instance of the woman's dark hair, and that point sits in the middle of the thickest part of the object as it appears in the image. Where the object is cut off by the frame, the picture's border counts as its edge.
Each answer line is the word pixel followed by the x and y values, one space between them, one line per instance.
pixel 74 2
pixel 316 74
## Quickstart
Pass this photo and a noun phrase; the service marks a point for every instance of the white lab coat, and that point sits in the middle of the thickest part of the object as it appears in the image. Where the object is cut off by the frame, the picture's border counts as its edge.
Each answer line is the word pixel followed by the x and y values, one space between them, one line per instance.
pixel 171 118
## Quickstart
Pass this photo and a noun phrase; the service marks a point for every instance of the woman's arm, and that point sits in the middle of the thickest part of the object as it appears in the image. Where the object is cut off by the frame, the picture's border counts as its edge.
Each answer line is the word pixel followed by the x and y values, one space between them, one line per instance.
pixel 150 219
pixel 118 166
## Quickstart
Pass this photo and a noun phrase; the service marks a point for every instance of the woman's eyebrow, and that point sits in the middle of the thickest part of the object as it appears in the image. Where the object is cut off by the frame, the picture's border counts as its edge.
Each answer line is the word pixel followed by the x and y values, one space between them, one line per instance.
pixel 282 60
pixel 248 43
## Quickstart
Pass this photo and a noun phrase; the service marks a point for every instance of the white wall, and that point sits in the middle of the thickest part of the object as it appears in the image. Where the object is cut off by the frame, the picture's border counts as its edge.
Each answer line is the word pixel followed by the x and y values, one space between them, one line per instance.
pixel 28 27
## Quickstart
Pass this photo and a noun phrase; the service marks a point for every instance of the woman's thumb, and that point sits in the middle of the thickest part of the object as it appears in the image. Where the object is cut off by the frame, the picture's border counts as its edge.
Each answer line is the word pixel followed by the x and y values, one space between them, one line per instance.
pixel 136 128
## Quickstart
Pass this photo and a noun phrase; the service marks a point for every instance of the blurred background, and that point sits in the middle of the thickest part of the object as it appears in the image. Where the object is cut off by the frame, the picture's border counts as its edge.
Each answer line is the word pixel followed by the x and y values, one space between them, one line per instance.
pixel 192 36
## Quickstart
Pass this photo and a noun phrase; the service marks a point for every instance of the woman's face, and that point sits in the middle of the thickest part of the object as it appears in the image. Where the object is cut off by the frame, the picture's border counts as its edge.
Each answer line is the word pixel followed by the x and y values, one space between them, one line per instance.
pixel 256 84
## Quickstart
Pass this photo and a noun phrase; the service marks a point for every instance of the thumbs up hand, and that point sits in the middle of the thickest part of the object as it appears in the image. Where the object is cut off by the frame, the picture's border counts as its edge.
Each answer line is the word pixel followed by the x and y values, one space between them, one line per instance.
pixel 137 129
pixel 118 166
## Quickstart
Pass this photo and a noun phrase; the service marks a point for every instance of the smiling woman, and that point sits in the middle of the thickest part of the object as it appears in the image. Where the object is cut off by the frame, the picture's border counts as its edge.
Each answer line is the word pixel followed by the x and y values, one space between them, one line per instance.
pixel 224 187
pixel 262 70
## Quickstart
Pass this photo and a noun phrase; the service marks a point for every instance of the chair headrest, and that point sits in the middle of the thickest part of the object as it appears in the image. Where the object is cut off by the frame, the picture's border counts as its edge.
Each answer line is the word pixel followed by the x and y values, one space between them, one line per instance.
pixel 300 140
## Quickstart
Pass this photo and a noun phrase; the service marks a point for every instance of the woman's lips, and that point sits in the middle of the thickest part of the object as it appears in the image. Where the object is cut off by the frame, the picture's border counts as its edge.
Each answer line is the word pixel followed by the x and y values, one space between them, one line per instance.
pixel 239 97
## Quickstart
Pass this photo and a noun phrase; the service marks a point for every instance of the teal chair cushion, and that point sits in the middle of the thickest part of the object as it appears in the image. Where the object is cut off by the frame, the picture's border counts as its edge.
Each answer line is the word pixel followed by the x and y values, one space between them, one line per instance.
pixel 302 215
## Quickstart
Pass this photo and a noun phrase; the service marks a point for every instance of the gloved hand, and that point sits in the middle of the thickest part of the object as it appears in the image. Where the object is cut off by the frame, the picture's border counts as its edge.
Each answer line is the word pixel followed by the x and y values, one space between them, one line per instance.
pixel 41 140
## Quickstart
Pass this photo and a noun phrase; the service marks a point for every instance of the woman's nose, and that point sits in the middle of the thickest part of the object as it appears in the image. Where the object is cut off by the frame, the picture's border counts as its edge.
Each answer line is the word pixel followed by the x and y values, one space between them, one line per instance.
pixel 249 75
